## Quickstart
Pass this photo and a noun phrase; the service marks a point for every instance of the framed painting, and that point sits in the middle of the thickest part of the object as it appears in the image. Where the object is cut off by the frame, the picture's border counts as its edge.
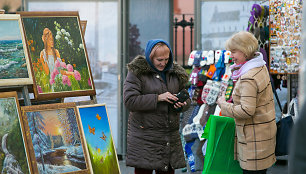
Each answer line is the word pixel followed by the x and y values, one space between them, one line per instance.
pixel 57 144
pixel 14 61
pixel 58 55
pixel 14 153
pixel 99 139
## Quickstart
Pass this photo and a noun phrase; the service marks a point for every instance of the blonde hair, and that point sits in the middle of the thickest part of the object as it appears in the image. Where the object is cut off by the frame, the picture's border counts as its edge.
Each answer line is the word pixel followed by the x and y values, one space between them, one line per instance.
pixel 244 42
pixel 162 47
pixel 47 35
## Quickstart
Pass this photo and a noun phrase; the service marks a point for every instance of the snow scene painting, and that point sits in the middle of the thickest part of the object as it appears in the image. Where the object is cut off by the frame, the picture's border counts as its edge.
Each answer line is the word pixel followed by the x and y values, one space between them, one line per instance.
pixel 13 152
pixel 13 53
pixel 97 131
pixel 57 143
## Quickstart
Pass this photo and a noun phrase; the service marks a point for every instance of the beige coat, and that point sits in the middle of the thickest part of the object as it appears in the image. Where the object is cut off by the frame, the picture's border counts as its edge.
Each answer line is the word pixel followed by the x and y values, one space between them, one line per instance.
pixel 254 114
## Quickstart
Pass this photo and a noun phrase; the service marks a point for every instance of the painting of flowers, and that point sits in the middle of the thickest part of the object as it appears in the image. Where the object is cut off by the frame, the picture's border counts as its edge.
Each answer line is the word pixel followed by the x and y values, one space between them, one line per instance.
pixel 14 156
pixel 58 54
pixel 57 143
pixel 14 62
pixel 97 132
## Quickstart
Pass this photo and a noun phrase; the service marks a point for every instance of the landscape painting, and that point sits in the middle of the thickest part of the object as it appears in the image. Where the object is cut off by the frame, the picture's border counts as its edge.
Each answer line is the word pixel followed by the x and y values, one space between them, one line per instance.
pixel 14 66
pixel 57 143
pixel 99 139
pixel 58 55
pixel 14 156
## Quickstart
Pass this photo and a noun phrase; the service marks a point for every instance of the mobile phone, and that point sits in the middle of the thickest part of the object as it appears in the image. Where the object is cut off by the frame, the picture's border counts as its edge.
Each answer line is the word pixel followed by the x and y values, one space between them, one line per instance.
pixel 182 96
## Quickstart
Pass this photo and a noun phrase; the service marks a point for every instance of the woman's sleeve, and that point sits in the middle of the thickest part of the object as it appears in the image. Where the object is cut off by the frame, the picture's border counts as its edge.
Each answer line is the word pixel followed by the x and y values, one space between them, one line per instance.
pixel 133 98
pixel 247 106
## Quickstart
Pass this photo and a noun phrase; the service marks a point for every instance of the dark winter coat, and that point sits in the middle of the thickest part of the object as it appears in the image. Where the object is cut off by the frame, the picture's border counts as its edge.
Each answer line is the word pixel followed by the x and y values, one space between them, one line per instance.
pixel 153 139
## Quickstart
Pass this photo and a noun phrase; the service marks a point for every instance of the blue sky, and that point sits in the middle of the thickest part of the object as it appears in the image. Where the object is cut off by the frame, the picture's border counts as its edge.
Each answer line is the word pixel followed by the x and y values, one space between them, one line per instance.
pixel 9 30
pixel 88 117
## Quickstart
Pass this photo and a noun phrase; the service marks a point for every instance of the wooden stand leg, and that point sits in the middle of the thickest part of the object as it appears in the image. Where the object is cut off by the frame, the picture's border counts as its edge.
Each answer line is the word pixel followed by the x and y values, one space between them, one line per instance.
pixel 94 98
pixel 26 96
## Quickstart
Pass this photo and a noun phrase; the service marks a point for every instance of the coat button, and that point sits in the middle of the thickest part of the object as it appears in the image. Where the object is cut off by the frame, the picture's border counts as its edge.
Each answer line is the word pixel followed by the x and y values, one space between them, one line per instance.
pixel 168 144
pixel 157 76
pixel 166 167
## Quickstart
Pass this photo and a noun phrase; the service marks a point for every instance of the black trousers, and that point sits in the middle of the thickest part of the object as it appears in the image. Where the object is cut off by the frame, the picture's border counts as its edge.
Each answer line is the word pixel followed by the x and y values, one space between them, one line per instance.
pixel 254 171
pixel 145 171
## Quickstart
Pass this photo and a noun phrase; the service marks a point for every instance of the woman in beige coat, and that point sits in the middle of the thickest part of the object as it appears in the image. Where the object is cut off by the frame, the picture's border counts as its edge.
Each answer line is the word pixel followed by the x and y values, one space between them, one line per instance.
pixel 252 107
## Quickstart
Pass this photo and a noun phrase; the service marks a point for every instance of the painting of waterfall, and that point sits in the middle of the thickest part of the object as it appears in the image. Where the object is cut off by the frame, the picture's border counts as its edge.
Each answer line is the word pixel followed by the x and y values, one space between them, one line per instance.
pixel 14 156
pixel 14 66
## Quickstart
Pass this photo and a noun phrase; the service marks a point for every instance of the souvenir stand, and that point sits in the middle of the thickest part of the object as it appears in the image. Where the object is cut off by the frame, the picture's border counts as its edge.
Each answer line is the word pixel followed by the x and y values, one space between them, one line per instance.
pixel 210 74
pixel 53 65
pixel 210 78
pixel 285 44
pixel 285 52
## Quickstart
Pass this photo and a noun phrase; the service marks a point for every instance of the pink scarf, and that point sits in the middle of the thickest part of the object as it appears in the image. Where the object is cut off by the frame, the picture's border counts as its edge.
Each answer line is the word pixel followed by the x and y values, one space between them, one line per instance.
pixel 244 68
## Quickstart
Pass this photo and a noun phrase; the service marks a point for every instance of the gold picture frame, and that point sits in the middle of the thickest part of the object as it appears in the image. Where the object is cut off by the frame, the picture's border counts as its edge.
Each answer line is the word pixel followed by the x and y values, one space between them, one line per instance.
pixel 55 138
pixel 98 136
pixel 14 147
pixel 15 68
pixel 58 55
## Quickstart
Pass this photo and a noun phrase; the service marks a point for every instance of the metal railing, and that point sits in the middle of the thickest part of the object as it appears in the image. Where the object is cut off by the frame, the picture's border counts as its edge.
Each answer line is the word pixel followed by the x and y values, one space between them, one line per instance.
pixel 182 23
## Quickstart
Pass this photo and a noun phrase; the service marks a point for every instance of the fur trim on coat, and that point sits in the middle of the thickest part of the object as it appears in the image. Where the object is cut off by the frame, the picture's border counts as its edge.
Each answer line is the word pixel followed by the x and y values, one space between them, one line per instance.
pixel 139 66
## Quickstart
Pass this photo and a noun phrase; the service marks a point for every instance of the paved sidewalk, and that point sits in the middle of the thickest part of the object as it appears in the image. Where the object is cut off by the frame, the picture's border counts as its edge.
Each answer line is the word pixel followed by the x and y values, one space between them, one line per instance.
pixel 280 167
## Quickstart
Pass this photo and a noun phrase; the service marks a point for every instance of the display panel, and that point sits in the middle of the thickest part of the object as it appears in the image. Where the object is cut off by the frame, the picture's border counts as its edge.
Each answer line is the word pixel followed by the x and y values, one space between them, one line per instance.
pixel 14 61
pixel 285 36
pixel 58 55
pixel 55 139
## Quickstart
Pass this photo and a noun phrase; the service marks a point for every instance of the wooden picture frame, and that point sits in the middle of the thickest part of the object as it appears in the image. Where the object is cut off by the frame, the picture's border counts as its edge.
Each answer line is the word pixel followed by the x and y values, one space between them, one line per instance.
pixel 54 131
pixel 58 55
pixel 83 26
pixel 99 139
pixel 14 61
pixel 14 148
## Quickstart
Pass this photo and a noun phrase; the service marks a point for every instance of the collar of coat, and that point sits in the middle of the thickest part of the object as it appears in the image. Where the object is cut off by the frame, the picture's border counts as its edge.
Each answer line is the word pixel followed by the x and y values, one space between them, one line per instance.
pixel 139 66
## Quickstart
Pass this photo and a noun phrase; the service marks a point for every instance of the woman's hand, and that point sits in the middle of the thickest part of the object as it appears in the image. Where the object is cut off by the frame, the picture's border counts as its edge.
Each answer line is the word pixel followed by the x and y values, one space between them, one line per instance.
pixel 168 97
pixel 179 104
pixel 220 100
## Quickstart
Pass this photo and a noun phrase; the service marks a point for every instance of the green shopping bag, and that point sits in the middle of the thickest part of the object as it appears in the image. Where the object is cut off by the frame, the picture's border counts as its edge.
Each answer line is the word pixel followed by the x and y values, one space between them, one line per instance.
pixel 220 134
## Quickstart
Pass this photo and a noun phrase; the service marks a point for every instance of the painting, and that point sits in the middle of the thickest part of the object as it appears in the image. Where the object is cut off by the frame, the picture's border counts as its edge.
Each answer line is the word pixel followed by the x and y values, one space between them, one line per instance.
pixel 14 62
pixel 14 157
pixel 57 144
pixel 99 140
pixel 58 55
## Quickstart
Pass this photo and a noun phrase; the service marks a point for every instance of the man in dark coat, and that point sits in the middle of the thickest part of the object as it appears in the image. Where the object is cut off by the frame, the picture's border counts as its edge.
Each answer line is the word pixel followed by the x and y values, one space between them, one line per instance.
pixel 153 140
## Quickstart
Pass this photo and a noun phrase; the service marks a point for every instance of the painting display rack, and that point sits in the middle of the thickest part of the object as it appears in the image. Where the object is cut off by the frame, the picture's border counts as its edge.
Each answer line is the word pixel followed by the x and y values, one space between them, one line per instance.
pixel 51 129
